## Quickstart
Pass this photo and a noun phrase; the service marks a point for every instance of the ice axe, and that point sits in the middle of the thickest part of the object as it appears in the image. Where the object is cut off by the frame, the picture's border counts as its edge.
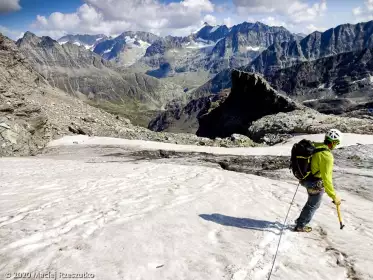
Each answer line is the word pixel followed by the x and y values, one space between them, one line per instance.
pixel 340 217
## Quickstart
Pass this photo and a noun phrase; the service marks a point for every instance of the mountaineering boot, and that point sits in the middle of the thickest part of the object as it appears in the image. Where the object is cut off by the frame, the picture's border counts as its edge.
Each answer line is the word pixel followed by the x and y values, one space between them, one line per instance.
pixel 303 229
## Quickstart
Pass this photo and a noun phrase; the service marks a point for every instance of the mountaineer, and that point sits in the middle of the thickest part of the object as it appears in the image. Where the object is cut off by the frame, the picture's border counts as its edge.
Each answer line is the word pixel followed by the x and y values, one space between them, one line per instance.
pixel 312 163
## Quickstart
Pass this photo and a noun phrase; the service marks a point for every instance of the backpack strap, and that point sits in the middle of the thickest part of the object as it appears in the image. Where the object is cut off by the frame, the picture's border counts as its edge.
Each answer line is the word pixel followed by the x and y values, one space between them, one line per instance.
pixel 318 151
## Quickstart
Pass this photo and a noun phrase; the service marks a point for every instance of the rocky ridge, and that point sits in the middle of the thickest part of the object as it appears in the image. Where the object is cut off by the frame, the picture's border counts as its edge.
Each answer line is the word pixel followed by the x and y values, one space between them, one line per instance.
pixel 272 129
pixel 339 74
pixel 343 38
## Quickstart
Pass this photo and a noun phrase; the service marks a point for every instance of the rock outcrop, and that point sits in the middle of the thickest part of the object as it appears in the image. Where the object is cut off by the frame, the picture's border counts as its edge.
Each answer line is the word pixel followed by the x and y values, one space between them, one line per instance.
pixel 307 121
pixel 250 99
pixel 335 106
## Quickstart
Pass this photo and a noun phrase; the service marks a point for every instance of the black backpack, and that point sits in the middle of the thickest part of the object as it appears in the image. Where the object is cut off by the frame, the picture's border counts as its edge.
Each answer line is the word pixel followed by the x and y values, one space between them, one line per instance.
pixel 301 155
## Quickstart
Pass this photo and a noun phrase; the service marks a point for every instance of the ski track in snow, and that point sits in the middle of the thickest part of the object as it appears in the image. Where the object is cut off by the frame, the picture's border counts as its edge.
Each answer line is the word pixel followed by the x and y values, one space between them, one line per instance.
pixel 149 220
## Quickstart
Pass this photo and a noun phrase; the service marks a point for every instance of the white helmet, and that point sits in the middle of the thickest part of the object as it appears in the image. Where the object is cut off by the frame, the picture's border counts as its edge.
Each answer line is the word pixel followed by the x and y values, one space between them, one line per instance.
pixel 334 135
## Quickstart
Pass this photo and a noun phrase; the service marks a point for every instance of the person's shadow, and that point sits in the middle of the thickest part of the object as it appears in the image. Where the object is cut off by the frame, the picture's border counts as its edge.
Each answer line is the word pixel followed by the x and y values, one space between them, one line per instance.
pixel 245 223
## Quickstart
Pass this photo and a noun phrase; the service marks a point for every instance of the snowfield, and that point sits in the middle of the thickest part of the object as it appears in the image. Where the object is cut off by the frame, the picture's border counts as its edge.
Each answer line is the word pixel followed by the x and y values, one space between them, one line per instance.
pixel 277 150
pixel 120 218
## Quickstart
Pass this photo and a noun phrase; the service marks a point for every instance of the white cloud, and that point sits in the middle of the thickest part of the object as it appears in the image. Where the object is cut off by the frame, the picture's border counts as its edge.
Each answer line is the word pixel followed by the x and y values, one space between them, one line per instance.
pixel 20 35
pixel 223 8
pixel 357 11
pixel 107 16
pixel 311 28
pixel 271 21
pixel 300 12
pixel 251 19
pixel 210 19
pixel 12 34
pixel 9 6
pixel 228 22
pixel 369 4
pixel 295 11
pixel 364 14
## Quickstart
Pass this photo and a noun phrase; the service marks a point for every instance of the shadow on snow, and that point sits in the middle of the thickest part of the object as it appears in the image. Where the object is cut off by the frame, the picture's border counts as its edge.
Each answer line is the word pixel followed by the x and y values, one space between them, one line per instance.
pixel 244 223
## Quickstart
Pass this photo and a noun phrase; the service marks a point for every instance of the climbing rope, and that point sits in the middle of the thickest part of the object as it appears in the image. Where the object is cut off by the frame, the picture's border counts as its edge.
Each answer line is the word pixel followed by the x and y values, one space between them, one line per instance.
pixel 282 230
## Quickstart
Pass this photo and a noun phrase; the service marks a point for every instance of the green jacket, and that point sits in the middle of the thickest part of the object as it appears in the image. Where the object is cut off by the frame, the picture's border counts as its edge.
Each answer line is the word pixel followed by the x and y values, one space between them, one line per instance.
pixel 322 167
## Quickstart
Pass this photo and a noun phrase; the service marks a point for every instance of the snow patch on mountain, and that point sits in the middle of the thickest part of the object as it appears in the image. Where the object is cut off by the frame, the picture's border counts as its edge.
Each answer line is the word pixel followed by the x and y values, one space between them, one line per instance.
pixel 79 44
pixel 108 50
pixel 134 42
pixel 200 40
pixel 89 42
pixel 198 45
pixel 133 50
pixel 91 47
pixel 251 48
pixel 214 29
pixel 321 86
pixel 130 40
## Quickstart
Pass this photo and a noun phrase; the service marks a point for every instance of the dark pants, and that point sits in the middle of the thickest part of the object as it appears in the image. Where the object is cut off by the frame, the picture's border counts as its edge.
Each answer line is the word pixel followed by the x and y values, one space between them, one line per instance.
pixel 315 192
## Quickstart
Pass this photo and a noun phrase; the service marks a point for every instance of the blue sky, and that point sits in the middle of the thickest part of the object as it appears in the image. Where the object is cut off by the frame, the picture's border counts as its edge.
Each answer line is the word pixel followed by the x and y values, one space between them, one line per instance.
pixel 56 18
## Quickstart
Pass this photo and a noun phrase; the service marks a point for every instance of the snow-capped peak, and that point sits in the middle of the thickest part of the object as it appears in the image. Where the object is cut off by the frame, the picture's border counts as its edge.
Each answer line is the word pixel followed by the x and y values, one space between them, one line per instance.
pixel 87 41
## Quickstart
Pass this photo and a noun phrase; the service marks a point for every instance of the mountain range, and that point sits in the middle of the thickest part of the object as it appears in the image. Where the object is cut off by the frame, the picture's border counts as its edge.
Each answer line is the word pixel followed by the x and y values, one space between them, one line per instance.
pixel 85 74
pixel 139 74
pixel 321 66
pixel 184 60
pixel 341 39
pixel 33 113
